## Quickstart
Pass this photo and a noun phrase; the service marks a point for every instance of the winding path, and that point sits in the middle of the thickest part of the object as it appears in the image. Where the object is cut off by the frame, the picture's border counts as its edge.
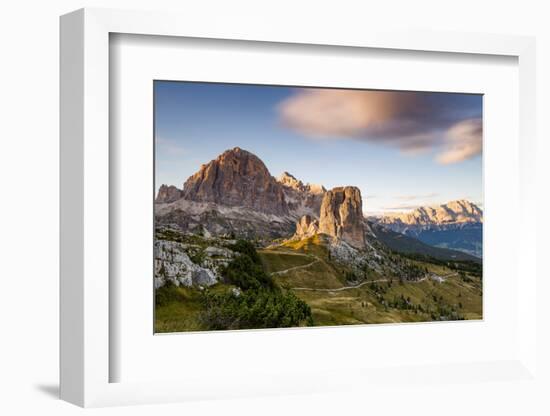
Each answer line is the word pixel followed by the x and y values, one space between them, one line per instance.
pixel 340 289
pixel 295 268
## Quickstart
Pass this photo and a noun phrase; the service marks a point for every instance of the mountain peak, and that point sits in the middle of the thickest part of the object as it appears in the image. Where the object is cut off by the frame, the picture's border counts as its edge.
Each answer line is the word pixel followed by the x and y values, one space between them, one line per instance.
pixel 465 209
pixel 236 149
pixel 315 188
pixel 237 178
pixel 236 152
pixel 290 180
pixel 301 199
pixel 167 194
pixel 461 204
pixel 452 212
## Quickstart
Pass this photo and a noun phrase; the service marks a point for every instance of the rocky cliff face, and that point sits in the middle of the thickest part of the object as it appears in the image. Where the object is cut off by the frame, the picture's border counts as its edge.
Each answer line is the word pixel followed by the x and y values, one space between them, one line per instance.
pixel 302 199
pixel 237 178
pixel 218 220
pixel 236 194
pixel 290 181
pixel 341 215
pixel 167 194
pixel 307 226
pixel 172 263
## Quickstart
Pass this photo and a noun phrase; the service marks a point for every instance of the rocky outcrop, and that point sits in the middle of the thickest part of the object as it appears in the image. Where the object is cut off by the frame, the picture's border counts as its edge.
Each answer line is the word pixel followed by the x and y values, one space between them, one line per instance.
pixel 235 194
pixel 173 264
pixel 341 215
pixel 237 178
pixel 290 181
pixel 306 226
pixel 167 194
pixel 301 199
pixel 218 220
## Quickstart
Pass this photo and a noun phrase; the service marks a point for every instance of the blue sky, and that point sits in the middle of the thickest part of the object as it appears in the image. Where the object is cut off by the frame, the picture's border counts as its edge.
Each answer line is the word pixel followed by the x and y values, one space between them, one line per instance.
pixel 401 149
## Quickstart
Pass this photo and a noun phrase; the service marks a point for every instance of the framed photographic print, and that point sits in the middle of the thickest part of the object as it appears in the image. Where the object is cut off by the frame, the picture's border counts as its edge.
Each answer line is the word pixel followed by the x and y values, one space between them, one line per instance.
pixel 240 247
pixel 261 211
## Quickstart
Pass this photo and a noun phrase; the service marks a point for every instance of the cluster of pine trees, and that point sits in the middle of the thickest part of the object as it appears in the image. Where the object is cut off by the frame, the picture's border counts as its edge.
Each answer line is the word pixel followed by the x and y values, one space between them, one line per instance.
pixel 258 304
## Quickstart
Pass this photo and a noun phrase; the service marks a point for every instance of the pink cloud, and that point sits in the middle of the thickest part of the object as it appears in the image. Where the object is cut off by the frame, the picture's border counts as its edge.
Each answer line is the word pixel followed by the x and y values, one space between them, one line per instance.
pixel 325 113
pixel 414 122
pixel 463 141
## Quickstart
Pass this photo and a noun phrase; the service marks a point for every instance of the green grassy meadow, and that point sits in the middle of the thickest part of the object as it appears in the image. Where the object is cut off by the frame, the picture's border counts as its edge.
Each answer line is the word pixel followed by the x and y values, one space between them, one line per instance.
pixel 378 302
pixel 305 270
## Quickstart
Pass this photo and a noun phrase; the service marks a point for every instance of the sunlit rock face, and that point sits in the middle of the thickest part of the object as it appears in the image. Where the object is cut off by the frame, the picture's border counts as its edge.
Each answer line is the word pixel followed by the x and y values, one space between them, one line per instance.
pixel 302 199
pixel 307 226
pixel 457 225
pixel 454 212
pixel 237 178
pixel 341 215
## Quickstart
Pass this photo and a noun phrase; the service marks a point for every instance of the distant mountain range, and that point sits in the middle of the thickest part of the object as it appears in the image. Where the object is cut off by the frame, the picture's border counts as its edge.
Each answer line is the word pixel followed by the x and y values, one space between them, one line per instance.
pixel 402 243
pixel 235 194
pixel 456 225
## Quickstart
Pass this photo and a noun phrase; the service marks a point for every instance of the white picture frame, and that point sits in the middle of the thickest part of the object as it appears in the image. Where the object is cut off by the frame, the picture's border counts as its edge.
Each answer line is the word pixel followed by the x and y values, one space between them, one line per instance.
pixel 85 211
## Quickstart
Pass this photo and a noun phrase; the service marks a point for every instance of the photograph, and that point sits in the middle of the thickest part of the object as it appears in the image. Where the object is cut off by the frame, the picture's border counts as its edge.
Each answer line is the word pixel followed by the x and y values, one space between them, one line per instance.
pixel 300 206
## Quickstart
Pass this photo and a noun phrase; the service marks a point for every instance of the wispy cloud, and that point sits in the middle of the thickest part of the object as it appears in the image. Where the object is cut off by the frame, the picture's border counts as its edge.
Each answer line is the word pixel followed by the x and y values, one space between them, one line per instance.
pixel 416 197
pixel 414 122
pixel 169 147
pixel 401 207
pixel 463 141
